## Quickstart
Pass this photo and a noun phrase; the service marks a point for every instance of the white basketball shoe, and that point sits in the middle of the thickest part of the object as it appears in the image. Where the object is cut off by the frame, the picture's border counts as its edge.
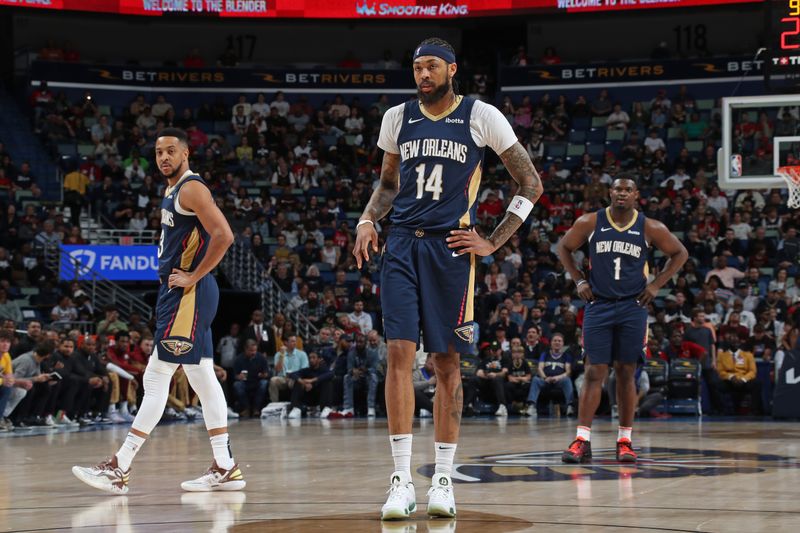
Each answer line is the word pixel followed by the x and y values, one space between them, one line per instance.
pixel 106 476
pixel 215 479
pixel 441 501
pixel 402 500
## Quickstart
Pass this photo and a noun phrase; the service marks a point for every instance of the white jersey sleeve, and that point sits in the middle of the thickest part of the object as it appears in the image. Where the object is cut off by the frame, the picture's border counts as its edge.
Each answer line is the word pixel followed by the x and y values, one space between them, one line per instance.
pixel 490 128
pixel 390 129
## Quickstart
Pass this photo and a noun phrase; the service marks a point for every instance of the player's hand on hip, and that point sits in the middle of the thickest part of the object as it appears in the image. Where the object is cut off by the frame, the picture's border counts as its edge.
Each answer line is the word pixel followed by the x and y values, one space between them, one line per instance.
pixel 467 241
pixel 585 292
pixel 365 236
pixel 179 278
pixel 648 295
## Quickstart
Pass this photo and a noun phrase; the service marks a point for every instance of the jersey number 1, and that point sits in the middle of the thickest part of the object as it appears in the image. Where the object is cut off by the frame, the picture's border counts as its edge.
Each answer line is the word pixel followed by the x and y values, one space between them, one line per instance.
pixel 617 267
pixel 433 184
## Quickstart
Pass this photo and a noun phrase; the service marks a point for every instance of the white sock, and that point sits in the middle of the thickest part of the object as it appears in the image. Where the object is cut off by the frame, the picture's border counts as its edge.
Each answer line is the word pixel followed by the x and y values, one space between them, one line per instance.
pixel 624 434
pixel 445 451
pixel 221 445
pixel 112 409
pixel 401 452
pixel 584 433
pixel 123 407
pixel 128 450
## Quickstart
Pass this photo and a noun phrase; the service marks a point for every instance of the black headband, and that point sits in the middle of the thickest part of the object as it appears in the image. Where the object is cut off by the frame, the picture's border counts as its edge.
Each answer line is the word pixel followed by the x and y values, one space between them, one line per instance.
pixel 435 50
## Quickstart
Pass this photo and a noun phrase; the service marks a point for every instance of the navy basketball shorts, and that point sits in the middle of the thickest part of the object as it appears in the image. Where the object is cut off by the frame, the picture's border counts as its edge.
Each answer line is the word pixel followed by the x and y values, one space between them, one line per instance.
pixel 614 330
pixel 425 288
pixel 183 321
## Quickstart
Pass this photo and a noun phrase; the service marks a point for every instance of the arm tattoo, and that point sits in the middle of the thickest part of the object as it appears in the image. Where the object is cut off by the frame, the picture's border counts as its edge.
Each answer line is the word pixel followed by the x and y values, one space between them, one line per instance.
pixel 519 165
pixel 381 201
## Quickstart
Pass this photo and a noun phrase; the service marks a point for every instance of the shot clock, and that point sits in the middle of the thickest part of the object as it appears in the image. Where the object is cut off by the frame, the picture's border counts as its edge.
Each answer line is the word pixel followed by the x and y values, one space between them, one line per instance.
pixel 782 62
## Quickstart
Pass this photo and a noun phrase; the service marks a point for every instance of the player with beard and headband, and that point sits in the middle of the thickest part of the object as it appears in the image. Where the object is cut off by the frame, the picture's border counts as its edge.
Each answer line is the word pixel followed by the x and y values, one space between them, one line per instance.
pixel 616 294
pixel 194 238
pixel 431 173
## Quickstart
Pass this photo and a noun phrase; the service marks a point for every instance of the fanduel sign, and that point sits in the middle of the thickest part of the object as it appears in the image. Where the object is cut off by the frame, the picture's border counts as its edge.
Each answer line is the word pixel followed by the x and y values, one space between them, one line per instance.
pixel 116 263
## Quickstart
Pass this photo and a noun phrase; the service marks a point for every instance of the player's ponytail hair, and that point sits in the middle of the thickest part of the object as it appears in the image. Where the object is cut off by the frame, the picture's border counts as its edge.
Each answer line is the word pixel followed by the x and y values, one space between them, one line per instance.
pixel 447 46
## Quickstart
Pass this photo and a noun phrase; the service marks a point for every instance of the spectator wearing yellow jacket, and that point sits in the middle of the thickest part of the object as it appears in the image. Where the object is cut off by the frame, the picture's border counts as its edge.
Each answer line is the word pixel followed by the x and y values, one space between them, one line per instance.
pixel 737 373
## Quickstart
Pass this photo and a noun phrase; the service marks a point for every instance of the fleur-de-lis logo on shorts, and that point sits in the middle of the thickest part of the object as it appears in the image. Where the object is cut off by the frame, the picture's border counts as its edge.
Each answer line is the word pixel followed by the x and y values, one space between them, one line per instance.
pixel 177 348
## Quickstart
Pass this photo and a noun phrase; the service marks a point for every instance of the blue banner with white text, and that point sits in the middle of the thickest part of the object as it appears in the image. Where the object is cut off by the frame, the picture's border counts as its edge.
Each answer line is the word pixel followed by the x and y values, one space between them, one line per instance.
pixel 115 263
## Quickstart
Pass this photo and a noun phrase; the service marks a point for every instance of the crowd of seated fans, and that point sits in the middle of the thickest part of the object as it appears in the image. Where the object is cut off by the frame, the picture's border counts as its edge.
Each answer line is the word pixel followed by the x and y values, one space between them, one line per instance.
pixel 292 180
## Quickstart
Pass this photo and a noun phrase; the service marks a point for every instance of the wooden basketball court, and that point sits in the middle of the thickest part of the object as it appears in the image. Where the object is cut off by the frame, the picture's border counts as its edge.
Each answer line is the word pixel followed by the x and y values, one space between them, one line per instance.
pixel 720 476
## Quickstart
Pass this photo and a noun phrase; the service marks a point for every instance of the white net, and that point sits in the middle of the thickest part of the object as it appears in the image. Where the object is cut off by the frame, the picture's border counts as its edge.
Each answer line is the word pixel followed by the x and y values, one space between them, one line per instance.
pixel 792 177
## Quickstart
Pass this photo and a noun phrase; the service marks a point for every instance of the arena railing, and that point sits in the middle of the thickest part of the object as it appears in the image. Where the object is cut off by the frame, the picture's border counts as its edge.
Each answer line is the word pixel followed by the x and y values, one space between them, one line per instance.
pixel 102 292
pixel 245 272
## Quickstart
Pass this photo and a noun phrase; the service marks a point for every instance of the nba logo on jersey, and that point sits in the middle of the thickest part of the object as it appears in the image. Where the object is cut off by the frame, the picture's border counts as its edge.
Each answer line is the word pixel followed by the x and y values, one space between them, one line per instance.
pixel 177 348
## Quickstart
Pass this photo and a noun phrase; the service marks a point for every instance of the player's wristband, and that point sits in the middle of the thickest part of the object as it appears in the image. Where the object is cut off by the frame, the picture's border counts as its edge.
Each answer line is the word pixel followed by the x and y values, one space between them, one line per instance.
pixel 362 222
pixel 520 206
pixel 580 282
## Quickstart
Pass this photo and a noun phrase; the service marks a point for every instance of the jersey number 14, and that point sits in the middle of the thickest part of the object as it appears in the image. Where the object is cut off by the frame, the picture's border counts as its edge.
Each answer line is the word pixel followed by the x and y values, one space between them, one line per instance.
pixel 433 184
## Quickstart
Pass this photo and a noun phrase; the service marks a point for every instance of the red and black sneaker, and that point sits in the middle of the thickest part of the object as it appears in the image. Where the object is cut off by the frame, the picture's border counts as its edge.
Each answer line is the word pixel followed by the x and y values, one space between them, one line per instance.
pixel 580 451
pixel 625 453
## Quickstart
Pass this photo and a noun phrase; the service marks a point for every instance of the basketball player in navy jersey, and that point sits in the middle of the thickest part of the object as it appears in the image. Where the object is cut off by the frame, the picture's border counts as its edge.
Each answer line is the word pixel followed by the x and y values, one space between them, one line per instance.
pixel 430 177
pixel 194 238
pixel 616 296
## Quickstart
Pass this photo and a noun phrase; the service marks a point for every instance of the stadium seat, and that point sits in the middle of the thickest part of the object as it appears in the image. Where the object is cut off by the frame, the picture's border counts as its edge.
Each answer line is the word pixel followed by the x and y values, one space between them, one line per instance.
pixel 85 150
pixel 694 147
pixel 577 136
pixel 576 150
pixel 597 151
pixel 555 149
pixel 705 104
pixel 222 126
pixel 674 133
pixel 596 135
pixel 615 135
pixel 598 122
pixel 684 394
pixel 581 123
pixel 67 149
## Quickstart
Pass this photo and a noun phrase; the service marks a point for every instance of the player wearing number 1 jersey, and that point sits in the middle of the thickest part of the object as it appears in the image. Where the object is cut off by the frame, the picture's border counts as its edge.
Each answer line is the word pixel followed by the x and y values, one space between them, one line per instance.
pixel 194 238
pixel 431 174
pixel 616 296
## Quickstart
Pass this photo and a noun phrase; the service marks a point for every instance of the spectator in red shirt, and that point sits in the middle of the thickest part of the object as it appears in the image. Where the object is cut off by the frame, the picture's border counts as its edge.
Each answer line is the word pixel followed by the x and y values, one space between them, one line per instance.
pixel 193 59
pixel 550 56
pixel 681 349
pixel 734 326
pixel 490 209
pixel 121 355
pixel 197 138
pixel 342 236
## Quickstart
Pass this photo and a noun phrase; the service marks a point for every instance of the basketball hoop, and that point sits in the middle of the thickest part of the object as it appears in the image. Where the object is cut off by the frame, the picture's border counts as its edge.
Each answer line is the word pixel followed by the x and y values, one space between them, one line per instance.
pixel 792 177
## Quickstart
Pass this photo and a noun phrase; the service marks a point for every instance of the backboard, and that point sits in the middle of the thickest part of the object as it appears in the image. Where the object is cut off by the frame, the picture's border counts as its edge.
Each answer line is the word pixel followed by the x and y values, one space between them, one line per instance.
pixel 759 134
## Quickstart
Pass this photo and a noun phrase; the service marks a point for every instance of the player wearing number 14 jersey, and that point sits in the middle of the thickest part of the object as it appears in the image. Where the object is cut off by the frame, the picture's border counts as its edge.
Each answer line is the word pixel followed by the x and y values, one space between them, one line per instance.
pixel 431 173
pixel 616 296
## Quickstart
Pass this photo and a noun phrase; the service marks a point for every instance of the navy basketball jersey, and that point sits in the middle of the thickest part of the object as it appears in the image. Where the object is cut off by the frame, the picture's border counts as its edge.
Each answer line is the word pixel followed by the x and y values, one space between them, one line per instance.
pixel 183 240
pixel 440 168
pixel 618 257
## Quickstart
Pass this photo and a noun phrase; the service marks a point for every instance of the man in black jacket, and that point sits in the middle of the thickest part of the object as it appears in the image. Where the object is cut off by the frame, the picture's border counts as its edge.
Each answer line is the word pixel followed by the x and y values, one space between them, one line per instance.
pixel 258 331
pixel 88 369
pixel 73 388
pixel 312 384
pixel 251 374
